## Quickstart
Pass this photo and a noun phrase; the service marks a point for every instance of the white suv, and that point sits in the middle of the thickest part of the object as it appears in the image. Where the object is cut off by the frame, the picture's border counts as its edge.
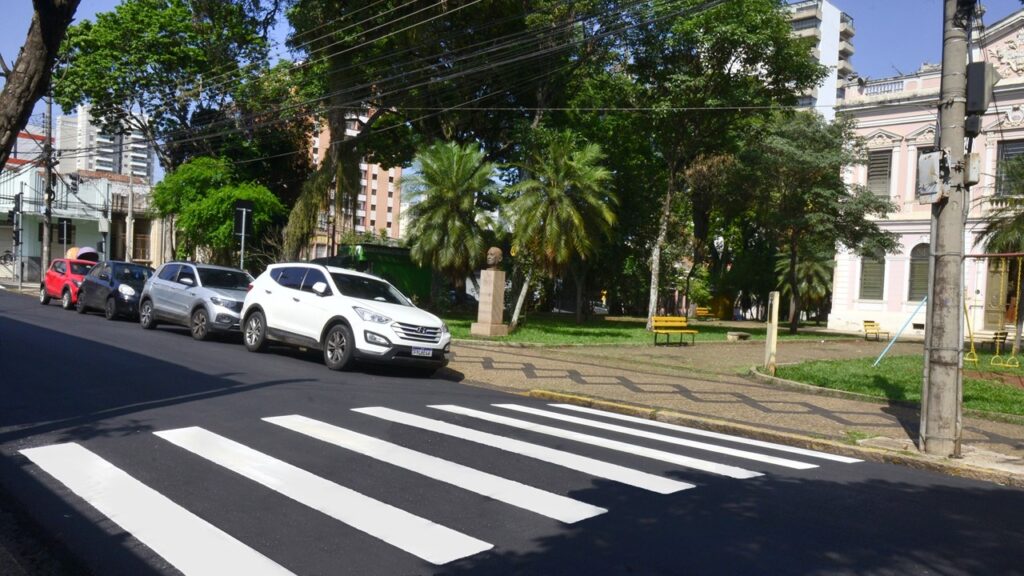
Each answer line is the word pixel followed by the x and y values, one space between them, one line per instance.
pixel 347 314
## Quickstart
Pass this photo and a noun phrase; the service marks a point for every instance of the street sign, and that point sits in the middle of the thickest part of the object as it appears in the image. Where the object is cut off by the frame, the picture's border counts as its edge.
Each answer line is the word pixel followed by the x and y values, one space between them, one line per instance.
pixel 243 217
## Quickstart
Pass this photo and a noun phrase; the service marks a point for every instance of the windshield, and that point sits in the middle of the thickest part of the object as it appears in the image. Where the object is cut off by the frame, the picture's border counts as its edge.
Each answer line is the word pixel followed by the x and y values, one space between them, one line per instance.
pixel 80 269
pixel 368 289
pixel 229 279
pixel 132 274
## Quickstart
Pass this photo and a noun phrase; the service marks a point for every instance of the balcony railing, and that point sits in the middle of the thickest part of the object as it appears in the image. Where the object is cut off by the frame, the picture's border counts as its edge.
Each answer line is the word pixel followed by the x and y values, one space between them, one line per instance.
pixel 883 88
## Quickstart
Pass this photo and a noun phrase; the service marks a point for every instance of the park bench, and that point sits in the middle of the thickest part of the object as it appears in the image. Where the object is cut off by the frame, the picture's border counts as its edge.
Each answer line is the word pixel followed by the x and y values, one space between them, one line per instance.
pixel 669 325
pixel 703 313
pixel 999 339
pixel 871 328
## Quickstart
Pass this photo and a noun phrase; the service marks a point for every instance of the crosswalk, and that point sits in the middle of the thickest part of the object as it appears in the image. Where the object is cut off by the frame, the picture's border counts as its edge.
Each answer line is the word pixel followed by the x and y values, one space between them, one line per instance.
pixel 196 545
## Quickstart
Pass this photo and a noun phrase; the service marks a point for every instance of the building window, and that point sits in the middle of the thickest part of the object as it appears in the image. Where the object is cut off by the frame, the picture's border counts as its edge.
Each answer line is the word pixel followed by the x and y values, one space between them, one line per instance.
pixel 391 178
pixel 879 171
pixel 1008 150
pixel 374 176
pixel 918 273
pixel 920 152
pixel 389 209
pixel 389 224
pixel 391 193
pixel 872 276
pixel 373 223
pixel 373 207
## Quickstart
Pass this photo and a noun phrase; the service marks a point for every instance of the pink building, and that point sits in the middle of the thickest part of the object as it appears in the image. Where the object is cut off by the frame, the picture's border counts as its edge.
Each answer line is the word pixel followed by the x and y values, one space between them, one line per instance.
pixel 897 116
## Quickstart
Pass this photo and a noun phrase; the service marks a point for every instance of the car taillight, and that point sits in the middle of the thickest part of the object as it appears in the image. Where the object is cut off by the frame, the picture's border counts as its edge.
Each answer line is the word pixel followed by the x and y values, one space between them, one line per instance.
pixel 249 287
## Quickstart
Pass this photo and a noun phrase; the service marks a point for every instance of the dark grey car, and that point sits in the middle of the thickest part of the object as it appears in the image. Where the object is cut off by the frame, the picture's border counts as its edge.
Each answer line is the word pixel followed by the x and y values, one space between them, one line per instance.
pixel 203 297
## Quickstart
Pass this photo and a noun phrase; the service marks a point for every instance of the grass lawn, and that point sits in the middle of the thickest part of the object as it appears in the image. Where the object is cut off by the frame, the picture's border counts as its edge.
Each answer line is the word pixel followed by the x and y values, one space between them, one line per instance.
pixel 989 388
pixel 561 329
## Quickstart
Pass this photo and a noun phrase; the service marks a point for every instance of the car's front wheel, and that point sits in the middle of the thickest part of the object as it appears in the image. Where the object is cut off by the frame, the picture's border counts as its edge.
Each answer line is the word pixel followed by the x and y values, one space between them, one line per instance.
pixel 200 324
pixel 338 345
pixel 109 308
pixel 146 318
pixel 44 298
pixel 80 305
pixel 255 332
pixel 65 300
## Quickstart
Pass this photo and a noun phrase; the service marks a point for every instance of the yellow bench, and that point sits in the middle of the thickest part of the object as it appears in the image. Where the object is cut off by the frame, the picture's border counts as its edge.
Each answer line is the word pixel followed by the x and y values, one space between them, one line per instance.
pixel 871 327
pixel 669 325
pixel 703 313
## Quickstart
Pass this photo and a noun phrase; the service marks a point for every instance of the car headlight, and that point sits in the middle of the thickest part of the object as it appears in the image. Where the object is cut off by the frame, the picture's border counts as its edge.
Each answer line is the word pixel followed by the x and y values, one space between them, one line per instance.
pixel 444 328
pixel 222 302
pixel 77 283
pixel 126 290
pixel 371 316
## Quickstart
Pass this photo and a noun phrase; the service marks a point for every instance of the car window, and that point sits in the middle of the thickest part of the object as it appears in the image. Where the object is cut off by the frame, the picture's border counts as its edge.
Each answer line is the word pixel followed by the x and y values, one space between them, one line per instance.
pixel 218 278
pixel 312 277
pixel 169 272
pixel 368 289
pixel 132 273
pixel 186 272
pixel 291 277
pixel 59 267
pixel 95 272
pixel 80 268
pixel 275 274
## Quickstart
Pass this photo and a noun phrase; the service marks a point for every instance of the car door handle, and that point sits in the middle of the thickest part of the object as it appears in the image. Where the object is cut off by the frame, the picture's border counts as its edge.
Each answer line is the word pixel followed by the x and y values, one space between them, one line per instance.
pixel 295 299
pixel 268 291
pixel 191 293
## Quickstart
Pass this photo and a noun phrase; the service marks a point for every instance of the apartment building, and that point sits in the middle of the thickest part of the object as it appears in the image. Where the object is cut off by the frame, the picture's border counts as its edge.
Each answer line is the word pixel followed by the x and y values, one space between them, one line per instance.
pixel 377 208
pixel 82 146
pixel 897 116
pixel 833 30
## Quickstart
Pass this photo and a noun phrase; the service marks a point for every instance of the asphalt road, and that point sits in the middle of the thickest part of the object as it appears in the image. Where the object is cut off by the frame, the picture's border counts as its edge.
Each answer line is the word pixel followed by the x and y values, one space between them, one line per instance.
pixel 145 452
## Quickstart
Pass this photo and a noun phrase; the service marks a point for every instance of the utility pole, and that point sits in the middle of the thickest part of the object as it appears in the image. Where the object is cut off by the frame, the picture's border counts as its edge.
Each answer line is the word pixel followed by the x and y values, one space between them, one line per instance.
pixel 44 263
pixel 943 373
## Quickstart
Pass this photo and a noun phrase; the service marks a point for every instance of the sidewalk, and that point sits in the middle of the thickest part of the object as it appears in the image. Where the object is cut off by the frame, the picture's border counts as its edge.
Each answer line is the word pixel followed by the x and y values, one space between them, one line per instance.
pixel 709 383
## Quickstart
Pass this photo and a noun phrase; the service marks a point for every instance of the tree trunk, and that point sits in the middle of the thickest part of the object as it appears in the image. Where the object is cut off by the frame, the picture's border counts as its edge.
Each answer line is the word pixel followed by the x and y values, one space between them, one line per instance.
pixel 519 301
pixel 1019 323
pixel 27 82
pixel 794 317
pixel 666 209
pixel 579 277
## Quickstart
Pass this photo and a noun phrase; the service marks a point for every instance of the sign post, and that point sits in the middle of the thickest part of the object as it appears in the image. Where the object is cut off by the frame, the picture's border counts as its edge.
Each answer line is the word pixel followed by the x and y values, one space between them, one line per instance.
pixel 243 225
pixel 773 333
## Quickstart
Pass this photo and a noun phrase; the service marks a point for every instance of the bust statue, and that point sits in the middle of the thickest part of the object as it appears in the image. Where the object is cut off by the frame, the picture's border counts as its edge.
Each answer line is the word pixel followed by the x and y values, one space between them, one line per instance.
pixel 494 257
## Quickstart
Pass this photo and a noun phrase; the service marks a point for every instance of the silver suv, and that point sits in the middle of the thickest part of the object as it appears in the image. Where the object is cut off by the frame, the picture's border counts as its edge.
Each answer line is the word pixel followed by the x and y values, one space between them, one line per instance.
pixel 203 297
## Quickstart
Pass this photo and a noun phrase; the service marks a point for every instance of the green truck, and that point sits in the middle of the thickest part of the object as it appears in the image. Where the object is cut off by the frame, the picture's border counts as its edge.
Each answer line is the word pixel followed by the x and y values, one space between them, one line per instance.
pixel 390 263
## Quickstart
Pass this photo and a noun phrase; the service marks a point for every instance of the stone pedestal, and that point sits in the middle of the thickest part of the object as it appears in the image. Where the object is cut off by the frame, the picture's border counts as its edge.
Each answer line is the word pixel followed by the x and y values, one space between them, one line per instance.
pixel 492 305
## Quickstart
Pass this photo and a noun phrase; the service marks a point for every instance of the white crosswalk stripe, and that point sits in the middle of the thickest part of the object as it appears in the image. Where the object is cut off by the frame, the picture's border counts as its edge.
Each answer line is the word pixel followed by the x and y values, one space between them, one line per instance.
pixel 515 493
pixel 418 536
pixel 569 460
pixel 785 462
pixel 677 459
pixel 186 541
pixel 710 434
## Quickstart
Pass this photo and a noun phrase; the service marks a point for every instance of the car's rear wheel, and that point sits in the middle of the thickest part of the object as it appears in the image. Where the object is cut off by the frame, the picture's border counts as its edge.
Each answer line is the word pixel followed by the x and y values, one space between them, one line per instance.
pixel 255 332
pixel 338 346
pixel 200 324
pixel 109 308
pixel 65 300
pixel 44 298
pixel 146 318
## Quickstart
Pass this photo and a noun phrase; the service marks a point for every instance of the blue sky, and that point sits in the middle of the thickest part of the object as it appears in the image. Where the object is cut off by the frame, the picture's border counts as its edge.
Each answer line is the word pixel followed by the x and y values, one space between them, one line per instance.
pixel 893 36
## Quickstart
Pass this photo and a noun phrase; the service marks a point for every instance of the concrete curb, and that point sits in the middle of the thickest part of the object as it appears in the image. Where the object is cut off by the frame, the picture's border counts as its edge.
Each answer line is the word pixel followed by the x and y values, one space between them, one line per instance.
pixel 794 386
pixel 916 461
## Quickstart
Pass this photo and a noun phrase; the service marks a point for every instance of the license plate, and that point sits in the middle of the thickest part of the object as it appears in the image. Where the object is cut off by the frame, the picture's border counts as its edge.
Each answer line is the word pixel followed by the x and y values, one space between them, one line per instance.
pixel 425 352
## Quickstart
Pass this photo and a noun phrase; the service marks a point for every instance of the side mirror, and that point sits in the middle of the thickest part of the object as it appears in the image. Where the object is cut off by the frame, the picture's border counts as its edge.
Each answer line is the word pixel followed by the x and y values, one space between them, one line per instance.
pixel 187 281
pixel 104 277
pixel 320 288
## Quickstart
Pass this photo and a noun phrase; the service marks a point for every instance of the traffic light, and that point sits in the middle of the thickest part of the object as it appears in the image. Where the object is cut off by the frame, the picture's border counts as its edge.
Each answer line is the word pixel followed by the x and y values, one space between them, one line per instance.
pixel 16 236
pixel 17 202
pixel 10 216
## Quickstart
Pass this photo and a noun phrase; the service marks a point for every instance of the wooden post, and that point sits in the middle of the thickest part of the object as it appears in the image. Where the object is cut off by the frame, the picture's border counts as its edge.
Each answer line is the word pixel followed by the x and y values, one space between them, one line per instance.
pixel 773 333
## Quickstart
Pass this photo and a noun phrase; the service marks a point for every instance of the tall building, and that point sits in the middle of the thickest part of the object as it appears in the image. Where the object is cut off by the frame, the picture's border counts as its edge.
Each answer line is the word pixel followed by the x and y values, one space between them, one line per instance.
pixel 833 30
pixel 377 208
pixel 82 146
pixel 28 147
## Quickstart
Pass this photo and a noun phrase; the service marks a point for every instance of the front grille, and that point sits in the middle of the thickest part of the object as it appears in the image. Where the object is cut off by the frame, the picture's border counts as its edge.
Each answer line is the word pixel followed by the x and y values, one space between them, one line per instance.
pixel 415 333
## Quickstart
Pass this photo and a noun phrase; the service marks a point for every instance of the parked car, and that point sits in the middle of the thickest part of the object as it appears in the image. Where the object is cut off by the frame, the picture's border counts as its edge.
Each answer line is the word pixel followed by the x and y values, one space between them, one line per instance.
pixel 114 287
pixel 203 297
pixel 62 280
pixel 346 314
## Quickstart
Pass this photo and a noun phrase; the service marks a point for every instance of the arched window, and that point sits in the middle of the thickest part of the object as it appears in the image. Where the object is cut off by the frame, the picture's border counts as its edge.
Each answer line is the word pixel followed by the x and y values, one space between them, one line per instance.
pixel 918 273
pixel 872 276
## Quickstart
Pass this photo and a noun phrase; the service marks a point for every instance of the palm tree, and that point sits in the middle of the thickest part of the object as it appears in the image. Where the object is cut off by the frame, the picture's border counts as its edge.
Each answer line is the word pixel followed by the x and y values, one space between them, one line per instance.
pixel 1004 226
pixel 814 280
pixel 446 229
pixel 563 211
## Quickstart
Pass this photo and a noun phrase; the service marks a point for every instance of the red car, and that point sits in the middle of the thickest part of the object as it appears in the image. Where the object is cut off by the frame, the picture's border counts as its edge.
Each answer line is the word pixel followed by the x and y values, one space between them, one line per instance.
pixel 62 281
